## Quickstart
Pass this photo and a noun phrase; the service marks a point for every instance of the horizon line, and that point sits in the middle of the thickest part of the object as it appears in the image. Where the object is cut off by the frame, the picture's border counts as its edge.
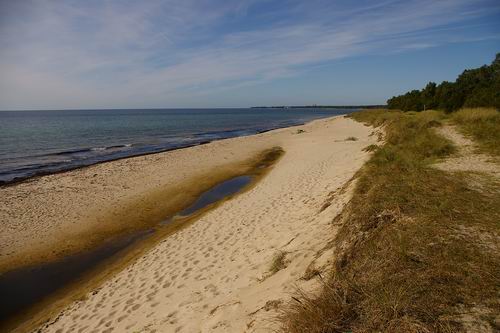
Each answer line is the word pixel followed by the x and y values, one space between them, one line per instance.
pixel 207 108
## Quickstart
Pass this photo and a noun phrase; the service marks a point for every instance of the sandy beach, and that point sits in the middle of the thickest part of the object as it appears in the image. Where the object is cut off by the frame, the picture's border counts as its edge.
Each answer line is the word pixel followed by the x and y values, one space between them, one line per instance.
pixel 215 274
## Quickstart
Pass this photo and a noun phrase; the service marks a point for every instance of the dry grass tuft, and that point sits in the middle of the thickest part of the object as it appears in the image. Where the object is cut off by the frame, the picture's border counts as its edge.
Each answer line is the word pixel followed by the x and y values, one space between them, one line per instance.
pixel 279 262
pixel 313 314
pixel 311 272
pixel 370 148
pixel 404 262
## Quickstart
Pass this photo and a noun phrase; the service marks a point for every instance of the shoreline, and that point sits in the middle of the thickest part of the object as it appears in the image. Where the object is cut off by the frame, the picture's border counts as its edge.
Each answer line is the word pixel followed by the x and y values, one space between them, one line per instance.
pixel 228 156
pixel 197 182
pixel 17 180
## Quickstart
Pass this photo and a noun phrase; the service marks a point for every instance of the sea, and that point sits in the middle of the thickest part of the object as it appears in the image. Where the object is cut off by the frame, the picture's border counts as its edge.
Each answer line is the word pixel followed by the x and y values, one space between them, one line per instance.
pixel 43 142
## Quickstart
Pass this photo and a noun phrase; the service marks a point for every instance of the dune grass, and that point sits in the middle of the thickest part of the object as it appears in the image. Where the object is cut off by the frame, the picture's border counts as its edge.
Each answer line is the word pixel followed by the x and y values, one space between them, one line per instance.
pixel 416 248
pixel 483 125
pixel 278 263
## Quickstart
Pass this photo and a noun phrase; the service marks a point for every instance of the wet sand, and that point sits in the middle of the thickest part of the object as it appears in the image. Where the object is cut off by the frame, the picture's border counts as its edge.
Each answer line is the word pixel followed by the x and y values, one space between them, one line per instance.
pixel 27 289
pixel 52 216
pixel 212 275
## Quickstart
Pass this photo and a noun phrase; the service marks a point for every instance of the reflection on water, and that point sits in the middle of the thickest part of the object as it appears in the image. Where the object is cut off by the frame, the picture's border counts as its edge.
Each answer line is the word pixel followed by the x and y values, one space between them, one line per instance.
pixel 23 287
pixel 216 193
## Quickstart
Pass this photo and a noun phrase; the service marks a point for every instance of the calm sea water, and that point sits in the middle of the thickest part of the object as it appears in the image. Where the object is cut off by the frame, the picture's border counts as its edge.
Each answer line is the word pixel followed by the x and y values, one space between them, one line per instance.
pixel 42 142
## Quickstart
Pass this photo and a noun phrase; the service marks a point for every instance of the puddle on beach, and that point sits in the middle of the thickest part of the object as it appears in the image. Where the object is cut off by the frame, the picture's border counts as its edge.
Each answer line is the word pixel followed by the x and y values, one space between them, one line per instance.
pixel 24 287
pixel 213 195
pixel 21 288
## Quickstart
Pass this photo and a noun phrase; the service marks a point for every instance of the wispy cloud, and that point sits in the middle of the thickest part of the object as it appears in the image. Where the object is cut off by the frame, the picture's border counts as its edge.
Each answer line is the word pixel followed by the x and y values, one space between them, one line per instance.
pixel 129 53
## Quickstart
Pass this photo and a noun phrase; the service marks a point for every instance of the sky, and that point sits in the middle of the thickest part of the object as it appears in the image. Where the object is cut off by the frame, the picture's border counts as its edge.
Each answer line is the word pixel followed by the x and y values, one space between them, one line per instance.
pixel 240 53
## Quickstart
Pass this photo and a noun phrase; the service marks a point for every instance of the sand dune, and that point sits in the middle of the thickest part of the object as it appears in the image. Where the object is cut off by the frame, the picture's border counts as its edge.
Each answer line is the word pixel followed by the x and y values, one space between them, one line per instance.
pixel 214 275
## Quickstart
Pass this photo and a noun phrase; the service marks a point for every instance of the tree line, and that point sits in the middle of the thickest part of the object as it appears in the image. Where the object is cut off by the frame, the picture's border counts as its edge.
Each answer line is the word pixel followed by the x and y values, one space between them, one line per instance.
pixel 478 87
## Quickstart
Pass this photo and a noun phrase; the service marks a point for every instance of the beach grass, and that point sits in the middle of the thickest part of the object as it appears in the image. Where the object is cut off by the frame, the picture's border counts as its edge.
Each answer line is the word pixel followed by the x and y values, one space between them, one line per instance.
pixel 416 249
pixel 483 125
pixel 278 263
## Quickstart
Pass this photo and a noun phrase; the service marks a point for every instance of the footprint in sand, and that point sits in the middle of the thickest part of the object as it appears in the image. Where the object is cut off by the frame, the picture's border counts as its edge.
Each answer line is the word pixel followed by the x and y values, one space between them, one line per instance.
pixel 121 318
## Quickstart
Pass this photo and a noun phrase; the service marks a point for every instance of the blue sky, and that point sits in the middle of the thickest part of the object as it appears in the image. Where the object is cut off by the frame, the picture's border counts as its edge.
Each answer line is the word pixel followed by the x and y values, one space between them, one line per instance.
pixel 214 53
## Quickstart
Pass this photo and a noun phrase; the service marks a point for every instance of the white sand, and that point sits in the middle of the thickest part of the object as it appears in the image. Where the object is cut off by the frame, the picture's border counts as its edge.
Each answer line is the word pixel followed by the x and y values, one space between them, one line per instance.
pixel 213 276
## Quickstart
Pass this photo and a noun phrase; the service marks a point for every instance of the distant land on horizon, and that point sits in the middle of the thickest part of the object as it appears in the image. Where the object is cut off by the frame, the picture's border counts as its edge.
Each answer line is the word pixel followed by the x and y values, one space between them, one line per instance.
pixel 252 107
pixel 380 106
